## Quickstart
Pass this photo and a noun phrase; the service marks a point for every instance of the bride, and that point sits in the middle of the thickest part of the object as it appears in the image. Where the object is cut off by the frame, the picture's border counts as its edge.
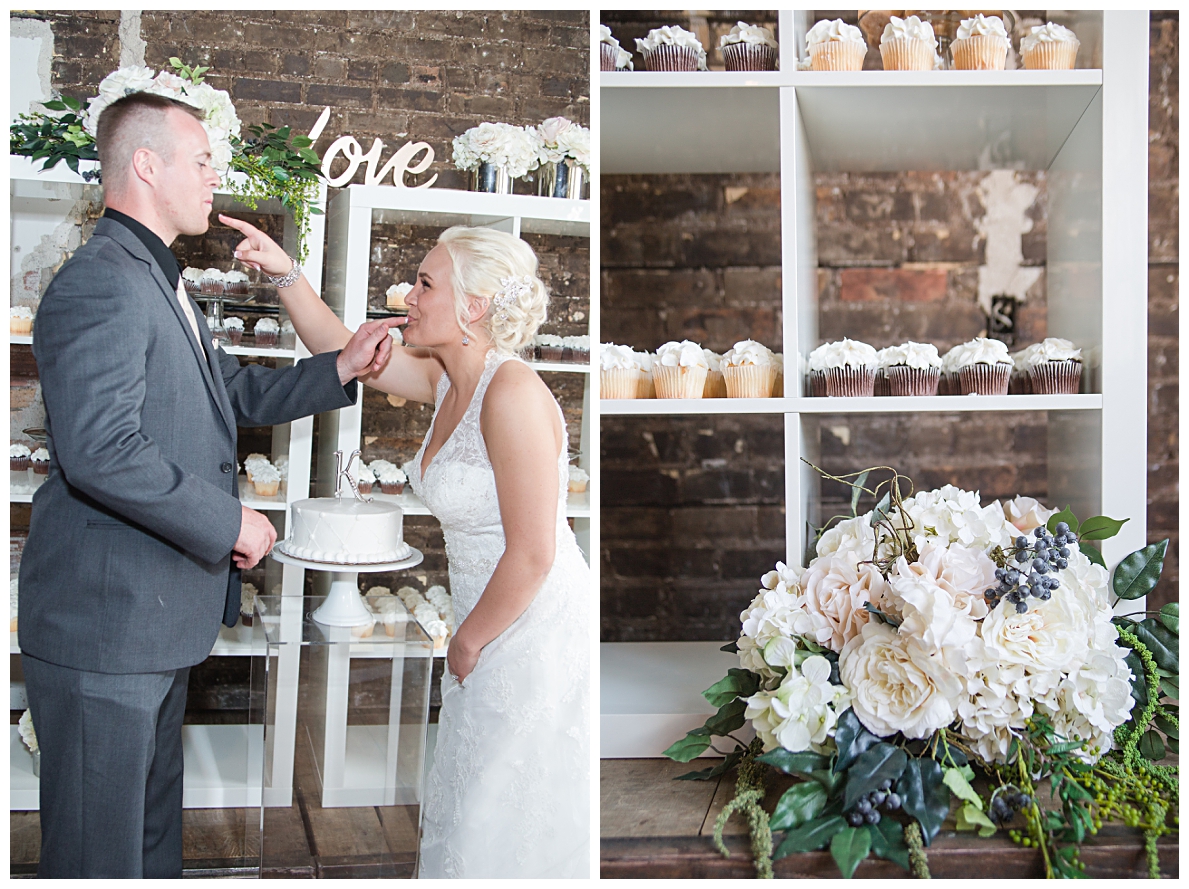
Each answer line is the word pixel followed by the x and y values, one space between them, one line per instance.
pixel 508 791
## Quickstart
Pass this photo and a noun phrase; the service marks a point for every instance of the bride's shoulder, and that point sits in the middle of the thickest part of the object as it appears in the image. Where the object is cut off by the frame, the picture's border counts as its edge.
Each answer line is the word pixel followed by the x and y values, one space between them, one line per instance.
pixel 516 390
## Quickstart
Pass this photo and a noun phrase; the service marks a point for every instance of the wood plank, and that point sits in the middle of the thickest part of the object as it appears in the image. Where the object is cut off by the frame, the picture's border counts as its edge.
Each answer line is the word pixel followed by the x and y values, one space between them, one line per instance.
pixel 400 825
pixel 24 831
pixel 640 798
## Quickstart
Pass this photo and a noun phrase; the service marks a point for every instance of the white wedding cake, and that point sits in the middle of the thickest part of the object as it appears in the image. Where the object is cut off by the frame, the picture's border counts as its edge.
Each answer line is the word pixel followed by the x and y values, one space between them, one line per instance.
pixel 347 532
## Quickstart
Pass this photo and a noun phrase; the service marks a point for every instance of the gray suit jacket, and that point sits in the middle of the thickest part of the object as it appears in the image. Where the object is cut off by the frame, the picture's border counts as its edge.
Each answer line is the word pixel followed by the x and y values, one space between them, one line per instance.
pixel 127 568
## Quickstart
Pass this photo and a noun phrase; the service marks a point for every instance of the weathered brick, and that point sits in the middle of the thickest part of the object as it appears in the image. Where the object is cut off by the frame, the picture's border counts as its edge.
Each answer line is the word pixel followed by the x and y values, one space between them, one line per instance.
pixel 907 285
pixel 266 90
pixel 336 94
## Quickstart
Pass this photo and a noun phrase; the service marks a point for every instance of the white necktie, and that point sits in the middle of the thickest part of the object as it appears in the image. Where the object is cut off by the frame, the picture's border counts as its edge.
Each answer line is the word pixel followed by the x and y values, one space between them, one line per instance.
pixel 185 301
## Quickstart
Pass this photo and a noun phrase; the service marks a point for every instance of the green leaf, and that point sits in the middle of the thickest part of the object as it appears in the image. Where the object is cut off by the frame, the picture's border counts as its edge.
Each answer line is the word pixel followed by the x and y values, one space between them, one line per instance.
pixel 1171 688
pixel 1092 553
pixel 881 509
pixel 55 105
pixel 732 647
pixel 1139 682
pixel 852 739
pixel 857 491
pixel 281 174
pixel 73 103
pixel 1138 574
pixel 693 745
pixel 1064 747
pixel 850 846
pixel 794 763
pixel 1160 642
pixel 882 762
pixel 1170 616
pixel 729 762
pixel 1166 725
pixel 887 841
pixel 1072 790
pixel 1066 515
pixel 301 142
pixel 800 804
pixel 945 752
pixel 1100 527
pixel 829 779
pixel 308 154
pixel 1151 746
pixel 924 795
pixel 1174 745
pixel 728 718
pixel 961 788
pixel 809 837
pixel 972 818
pixel 738 683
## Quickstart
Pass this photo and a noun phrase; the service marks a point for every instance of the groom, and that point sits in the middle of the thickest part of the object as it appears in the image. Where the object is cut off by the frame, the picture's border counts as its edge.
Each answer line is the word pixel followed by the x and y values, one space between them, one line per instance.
pixel 128 569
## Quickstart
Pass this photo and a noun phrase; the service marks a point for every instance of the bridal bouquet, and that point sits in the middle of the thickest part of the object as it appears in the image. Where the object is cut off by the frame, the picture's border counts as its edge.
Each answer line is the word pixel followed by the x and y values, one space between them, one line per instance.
pixel 932 636
pixel 500 144
pixel 560 139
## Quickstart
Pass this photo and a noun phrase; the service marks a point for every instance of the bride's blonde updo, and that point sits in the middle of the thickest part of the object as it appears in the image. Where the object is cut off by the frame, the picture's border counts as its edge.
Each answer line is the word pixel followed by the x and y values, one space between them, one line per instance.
pixel 482 261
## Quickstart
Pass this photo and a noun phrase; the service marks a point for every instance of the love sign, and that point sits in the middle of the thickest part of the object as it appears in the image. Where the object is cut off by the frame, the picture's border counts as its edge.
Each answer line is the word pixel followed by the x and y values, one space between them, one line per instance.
pixel 402 163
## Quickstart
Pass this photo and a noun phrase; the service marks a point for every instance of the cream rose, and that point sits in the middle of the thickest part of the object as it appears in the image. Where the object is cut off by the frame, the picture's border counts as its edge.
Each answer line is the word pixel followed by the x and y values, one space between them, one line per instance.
pixel 939 597
pixel 836 587
pixel 1025 514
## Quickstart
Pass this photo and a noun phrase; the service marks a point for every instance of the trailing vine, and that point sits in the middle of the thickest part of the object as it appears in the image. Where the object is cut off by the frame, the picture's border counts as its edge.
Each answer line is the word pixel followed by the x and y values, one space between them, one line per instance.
pixel 749 793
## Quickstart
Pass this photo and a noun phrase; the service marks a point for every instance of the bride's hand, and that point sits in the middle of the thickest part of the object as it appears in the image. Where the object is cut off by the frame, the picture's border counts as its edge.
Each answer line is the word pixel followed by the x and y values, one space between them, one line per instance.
pixel 459 660
pixel 257 249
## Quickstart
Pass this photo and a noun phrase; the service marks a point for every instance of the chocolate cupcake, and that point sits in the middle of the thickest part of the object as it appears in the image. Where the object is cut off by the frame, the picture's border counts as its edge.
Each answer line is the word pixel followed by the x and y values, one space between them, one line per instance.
pixel 672 48
pixel 1055 367
pixel 748 48
pixel 912 369
pixel 18 458
pixel 984 367
pixel 850 369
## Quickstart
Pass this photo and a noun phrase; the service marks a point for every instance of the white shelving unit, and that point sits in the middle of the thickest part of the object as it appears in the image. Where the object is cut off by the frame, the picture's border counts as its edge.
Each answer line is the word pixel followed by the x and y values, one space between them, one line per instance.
pixel 801 122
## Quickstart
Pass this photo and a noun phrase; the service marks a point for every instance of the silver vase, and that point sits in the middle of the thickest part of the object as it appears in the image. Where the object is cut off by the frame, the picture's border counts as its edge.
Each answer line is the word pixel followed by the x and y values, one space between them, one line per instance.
pixel 491 178
pixel 563 179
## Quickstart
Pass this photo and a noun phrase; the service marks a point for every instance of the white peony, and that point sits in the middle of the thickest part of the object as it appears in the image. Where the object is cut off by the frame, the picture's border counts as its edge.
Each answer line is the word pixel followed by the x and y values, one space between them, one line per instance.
pixel 789 575
pixel 836 587
pixel 802 711
pixel 1091 703
pixel 778 613
pixel 575 142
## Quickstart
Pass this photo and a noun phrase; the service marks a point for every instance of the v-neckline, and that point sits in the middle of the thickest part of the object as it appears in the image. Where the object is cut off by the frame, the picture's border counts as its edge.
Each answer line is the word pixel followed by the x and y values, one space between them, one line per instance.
pixel 434 422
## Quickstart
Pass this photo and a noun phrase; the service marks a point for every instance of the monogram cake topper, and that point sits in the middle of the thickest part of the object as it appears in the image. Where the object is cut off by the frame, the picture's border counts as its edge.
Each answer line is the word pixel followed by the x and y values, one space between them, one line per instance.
pixel 344 472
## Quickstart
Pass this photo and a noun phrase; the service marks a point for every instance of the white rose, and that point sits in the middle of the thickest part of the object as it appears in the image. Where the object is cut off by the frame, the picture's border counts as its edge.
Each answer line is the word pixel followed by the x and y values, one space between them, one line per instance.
pixel 552 129
pixel 1026 514
pixel 895 685
pixel 576 144
pixel 800 713
pixel 836 587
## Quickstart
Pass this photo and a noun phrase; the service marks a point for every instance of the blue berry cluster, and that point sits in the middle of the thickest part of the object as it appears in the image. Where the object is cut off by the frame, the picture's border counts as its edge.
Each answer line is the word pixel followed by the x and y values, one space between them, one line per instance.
pixel 1033 572
pixel 1005 805
pixel 866 808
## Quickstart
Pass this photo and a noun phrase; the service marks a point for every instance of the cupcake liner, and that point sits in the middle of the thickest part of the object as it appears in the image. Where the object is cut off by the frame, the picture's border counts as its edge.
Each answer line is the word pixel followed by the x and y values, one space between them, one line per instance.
pixel 392 487
pixel 1056 378
pixel 748 380
pixel 984 379
pixel 20 326
pixel 817 384
pixel 1052 56
pixel 364 487
pixel 190 286
pixel 850 382
pixel 908 54
pixel 607 56
pixel 749 57
pixel 838 55
pixel 671 58
pixel 212 287
pixel 1020 383
pixel 980 53
pixel 552 353
pixel 18 464
pixel 235 335
pixel 716 385
pixel 904 380
pixel 266 489
pixel 619 382
pixel 679 382
pixel 778 385
pixel 882 386
pixel 41 467
pixel 236 287
pixel 268 339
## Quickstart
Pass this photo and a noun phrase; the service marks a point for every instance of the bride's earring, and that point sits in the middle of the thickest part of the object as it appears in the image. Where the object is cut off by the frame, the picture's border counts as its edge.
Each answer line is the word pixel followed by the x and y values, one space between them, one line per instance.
pixel 466 340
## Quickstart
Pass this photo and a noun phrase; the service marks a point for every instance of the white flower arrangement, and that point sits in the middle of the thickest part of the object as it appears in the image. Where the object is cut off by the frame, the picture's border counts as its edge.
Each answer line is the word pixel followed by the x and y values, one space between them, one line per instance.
pixel 501 144
pixel 28 735
pixel 561 138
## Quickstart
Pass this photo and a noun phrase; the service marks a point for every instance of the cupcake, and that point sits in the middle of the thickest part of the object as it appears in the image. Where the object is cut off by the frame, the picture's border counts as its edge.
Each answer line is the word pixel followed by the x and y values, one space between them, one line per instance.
pixel 816 365
pixel 1049 46
pixel 247 603
pixel 235 329
pixel 748 371
pixel 577 349
pixel 836 46
pixel 211 282
pixel 881 388
pixel 850 369
pixel 578 480
pixel 40 461
pixel 778 375
pixel 619 373
pixel 266 480
pixel 1055 367
pixel 235 282
pixel 395 296
pixel 679 370
pixel 288 336
pixel 365 631
pixel 984 367
pixel 1020 382
pixel 550 347
pixel 20 320
pixel 390 614
pixel 18 458
pixel 252 462
pixel 981 44
pixel 267 332
pixel 392 480
pixel 612 57
pixel 716 384
pixel 748 48
pixel 282 464
pixel 908 45
pixel 646 363
pixel 672 48
pixel 192 279
pixel 13 604
pixel 912 369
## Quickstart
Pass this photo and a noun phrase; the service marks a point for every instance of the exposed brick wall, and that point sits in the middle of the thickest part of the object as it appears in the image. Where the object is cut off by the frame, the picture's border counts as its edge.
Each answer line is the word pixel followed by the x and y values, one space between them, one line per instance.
pixel 86 47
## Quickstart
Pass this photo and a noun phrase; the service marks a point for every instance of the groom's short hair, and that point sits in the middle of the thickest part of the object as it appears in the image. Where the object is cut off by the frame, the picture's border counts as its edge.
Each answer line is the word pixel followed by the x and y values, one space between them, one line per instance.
pixel 138 120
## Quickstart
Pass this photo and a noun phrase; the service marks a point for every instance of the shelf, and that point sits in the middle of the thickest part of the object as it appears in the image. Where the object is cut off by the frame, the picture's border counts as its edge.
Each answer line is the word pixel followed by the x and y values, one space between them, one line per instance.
pixel 559 367
pixel 15 339
pixel 882 405
pixel 259 352
pixel 237 642
pixel 22 491
pixel 249 498
pixel 651 693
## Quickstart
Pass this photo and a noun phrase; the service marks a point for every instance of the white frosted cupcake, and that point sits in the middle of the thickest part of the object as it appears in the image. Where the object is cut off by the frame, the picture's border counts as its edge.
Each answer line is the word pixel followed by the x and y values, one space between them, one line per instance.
pixel 394 296
pixel 778 375
pixel 619 372
pixel 850 369
pixel 235 329
pixel 679 370
pixel 392 479
pixel 266 480
pixel 912 369
pixel 192 280
pixel 252 462
pixel 364 479
pixel 267 332
pixel 612 57
pixel 235 282
pixel 716 384
pixel 19 457
pixel 984 367
pixel 1021 374
pixel 816 365
pixel 1050 46
pixel 40 461
pixel 576 349
pixel 578 480
pixel 748 370
pixel 20 320
pixel 748 48
pixel 981 44
pixel 646 361
pixel 881 373
pixel 212 282
pixel 836 46
pixel 1055 367
pixel 672 48
pixel 908 45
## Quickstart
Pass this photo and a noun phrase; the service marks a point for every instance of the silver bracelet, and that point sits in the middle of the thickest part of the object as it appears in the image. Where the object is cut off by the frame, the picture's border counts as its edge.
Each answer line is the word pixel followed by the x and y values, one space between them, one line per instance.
pixel 287 280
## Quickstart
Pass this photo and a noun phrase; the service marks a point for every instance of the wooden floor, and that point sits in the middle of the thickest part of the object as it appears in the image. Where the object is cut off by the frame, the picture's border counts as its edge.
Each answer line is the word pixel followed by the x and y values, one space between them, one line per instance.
pixel 655 827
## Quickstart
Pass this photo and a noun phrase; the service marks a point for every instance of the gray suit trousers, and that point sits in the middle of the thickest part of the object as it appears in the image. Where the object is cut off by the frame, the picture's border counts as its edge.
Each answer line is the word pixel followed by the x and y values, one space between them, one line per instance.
pixel 111 770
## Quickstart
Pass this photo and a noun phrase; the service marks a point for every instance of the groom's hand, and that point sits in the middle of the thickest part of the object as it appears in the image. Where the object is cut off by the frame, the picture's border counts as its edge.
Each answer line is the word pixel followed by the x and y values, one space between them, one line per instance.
pixel 368 350
pixel 256 537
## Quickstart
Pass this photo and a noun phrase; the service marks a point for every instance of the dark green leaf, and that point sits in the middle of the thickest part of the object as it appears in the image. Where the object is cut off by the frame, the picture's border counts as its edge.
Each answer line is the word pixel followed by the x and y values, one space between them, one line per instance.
pixel 1072 790
pixel 924 796
pixel 728 718
pixel 882 762
pixel 1170 616
pixel 1160 642
pixel 283 133
pixel 732 647
pixel 72 162
pixel 1064 747
pixel 850 846
pixel 75 104
pixel 800 804
pixel 946 752
pixel 309 155
pixel 1174 745
pixel 1138 574
pixel 1151 746
pixel 301 142
pixel 693 745
pixel 811 836
pixel 1166 725
pixel 729 762
pixel 738 683
pixel 1100 527
pixel 1066 515
pixel 852 739
pixel 887 841
pixel 281 174
pixel 857 491
pixel 55 105
pixel 1171 688
pixel 1092 553
pixel 1139 682
pixel 794 763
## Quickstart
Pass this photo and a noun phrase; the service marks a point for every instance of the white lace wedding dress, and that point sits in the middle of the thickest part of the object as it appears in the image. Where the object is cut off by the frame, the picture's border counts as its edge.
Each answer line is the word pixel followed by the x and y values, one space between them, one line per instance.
pixel 508 791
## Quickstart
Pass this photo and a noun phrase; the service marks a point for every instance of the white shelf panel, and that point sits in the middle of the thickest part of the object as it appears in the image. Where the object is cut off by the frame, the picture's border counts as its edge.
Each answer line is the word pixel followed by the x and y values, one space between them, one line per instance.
pixel 15 339
pixel 560 367
pixel 237 642
pixel 23 785
pixel 252 500
pixel 882 405
pixel 260 352
pixel 651 693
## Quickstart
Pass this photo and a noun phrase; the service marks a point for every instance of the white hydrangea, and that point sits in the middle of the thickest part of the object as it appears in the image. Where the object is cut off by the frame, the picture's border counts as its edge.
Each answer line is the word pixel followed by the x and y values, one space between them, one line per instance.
pixel 802 712
pixel 850 536
pixel 950 515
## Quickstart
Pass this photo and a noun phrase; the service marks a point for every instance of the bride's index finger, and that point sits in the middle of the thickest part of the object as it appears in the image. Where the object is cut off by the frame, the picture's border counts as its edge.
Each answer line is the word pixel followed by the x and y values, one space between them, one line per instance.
pixel 239 225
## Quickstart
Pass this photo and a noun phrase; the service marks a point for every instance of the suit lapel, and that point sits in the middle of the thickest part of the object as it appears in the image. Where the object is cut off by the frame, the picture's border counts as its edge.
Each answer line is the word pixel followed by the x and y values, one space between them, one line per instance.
pixel 216 374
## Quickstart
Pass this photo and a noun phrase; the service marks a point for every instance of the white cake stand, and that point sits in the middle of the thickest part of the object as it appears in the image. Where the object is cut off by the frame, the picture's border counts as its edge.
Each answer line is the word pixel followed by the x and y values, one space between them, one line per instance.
pixel 343 606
